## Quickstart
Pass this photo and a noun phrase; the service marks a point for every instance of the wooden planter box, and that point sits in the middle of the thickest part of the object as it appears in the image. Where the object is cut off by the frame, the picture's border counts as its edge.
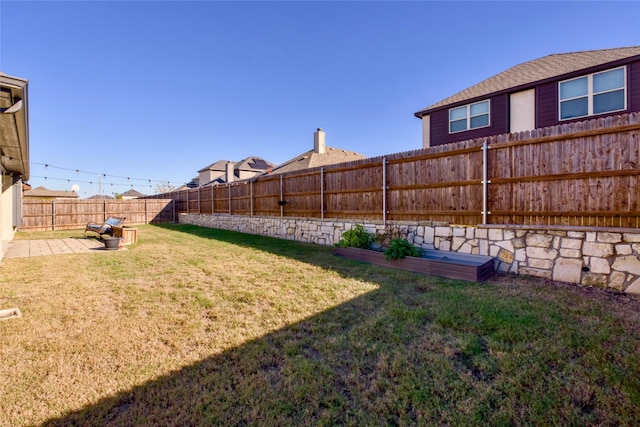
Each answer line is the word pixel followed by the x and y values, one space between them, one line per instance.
pixel 452 265
pixel 130 235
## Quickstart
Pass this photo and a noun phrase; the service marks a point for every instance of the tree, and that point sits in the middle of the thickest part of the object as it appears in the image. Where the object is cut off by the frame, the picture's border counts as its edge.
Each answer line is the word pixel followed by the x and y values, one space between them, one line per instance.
pixel 164 187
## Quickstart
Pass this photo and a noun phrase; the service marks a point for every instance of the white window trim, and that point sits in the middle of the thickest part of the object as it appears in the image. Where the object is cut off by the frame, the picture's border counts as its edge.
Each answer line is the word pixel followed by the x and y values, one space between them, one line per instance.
pixel 469 116
pixel 590 94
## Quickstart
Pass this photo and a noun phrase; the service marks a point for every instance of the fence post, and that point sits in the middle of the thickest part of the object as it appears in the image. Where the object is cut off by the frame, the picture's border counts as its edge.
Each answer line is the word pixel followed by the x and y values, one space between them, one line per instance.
pixel 173 207
pixel 322 194
pixel 199 210
pixel 384 191
pixel 104 210
pixel 229 188
pixel 251 197
pixel 281 203
pixel 53 215
pixel 485 183
pixel 146 212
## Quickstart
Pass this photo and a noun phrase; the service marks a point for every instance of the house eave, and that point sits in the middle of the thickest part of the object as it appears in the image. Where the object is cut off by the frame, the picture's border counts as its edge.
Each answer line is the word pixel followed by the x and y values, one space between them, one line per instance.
pixel 575 73
pixel 14 125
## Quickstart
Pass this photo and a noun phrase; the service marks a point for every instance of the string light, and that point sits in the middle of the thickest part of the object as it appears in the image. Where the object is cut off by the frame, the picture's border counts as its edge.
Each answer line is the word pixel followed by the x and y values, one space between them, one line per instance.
pixel 80 171
pixel 47 165
pixel 112 184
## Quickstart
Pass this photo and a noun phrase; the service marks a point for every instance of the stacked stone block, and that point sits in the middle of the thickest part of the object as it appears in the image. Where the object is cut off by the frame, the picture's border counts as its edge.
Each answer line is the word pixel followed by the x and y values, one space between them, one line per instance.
pixel 593 258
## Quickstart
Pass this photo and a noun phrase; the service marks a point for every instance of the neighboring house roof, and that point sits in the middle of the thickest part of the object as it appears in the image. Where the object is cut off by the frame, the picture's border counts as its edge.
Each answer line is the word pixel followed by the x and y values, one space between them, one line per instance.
pixel 254 164
pixel 220 165
pixel 537 70
pixel 219 180
pixel 42 192
pixel 100 197
pixel 132 193
pixel 251 163
pixel 14 124
pixel 191 184
pixel 311 159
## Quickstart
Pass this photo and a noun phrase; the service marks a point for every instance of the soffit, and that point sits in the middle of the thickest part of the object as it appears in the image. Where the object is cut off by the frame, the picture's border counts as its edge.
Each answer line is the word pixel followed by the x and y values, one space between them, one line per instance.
pixel 14 130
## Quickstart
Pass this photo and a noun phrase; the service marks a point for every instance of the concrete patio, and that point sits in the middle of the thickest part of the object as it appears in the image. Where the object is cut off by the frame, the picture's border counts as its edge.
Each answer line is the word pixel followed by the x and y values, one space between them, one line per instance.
pixel 34 248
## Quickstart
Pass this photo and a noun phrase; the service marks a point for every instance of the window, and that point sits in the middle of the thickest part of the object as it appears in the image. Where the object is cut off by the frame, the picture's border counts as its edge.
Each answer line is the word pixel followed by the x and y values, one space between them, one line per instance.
pixel 470 116
pixel 593 94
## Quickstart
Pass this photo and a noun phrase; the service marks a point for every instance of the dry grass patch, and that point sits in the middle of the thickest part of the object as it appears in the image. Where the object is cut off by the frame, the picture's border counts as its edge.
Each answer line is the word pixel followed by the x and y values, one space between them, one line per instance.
pixel 196 326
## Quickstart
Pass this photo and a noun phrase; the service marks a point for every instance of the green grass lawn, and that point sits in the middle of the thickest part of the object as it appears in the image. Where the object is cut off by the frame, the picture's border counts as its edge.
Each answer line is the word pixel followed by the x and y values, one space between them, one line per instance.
pixel 195 326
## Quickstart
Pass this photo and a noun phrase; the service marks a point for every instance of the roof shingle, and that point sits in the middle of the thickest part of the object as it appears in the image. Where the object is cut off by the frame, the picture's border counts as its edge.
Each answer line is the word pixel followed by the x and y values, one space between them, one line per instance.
pixel 311 159
pixel 42 192
pixel 537 70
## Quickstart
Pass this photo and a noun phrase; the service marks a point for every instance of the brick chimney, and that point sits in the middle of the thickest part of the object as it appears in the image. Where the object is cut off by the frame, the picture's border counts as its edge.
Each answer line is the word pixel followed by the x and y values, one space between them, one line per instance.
pixel 230 176
pixel 318 142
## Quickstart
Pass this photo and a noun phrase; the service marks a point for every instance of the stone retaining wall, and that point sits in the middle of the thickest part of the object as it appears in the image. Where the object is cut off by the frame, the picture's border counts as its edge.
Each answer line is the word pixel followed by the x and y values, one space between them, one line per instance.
pixel 593 257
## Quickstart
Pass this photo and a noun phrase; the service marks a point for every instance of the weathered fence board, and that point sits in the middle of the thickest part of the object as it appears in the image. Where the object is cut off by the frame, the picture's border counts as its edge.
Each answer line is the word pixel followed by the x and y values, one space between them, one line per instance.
pixel 582 174
pixel 44 215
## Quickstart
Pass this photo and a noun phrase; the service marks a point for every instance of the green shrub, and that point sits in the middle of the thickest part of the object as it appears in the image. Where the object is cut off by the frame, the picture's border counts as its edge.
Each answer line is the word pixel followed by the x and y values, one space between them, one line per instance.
pixel 357 237
pixel 399 248
pixel 383 240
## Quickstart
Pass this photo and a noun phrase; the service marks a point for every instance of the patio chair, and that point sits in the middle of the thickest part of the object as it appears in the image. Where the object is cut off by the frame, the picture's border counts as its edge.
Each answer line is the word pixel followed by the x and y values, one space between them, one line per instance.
pixel 106 228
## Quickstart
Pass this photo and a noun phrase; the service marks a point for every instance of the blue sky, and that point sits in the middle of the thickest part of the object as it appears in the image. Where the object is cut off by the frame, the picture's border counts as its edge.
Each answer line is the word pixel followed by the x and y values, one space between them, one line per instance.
pixel 156 90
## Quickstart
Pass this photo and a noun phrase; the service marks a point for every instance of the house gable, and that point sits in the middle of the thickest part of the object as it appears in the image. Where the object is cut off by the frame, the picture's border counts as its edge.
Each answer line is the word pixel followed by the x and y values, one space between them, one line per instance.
pixel 320 155
pixel 224 171
pixel 213 172
pixel 542 76
pixel 132 194
pixel 252 166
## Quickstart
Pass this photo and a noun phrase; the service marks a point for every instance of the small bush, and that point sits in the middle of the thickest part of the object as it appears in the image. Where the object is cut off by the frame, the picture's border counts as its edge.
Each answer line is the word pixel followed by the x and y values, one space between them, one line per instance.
pixel 399 248
pixel 357 237
pixel 391 231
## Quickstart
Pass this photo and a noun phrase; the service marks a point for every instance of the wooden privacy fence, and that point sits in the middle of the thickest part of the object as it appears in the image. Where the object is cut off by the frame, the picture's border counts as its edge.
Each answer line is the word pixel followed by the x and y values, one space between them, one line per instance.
pixel 43 215
pixel 579 174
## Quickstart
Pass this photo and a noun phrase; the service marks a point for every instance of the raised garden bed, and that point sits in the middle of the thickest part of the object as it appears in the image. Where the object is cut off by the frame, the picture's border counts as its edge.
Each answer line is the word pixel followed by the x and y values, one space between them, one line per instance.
pixel 452 265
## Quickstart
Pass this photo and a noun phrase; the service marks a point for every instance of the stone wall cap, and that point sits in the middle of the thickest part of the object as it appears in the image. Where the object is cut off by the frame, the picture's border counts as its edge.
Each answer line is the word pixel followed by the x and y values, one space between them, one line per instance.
pixel 560 228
